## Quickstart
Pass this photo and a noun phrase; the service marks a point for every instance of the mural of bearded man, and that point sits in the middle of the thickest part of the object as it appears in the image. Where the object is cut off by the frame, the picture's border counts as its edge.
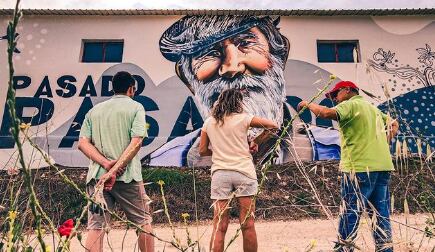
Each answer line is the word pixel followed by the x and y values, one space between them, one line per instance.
pixel 214 53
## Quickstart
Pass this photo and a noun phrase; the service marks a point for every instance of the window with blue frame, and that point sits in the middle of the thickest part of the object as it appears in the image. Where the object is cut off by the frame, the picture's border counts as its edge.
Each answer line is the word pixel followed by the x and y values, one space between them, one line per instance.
pixel 334 51
pixel 102 51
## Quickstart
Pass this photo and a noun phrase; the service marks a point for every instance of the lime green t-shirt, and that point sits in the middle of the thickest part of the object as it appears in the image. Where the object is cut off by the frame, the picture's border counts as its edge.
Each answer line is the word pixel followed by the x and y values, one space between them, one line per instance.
pixel 363 136
pixel 110 125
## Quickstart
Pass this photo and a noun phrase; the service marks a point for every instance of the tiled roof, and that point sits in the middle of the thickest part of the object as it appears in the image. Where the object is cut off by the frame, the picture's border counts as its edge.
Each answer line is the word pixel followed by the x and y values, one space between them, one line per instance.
pixel 332 12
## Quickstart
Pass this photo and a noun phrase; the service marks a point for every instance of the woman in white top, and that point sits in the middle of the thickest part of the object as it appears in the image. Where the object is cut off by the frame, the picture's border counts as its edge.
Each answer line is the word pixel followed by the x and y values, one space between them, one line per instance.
pixel 233 171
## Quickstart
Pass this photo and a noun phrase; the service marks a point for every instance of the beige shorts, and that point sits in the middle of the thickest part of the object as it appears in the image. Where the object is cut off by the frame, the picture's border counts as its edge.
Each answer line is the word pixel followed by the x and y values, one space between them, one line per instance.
pixel 132 199
pixel 226 184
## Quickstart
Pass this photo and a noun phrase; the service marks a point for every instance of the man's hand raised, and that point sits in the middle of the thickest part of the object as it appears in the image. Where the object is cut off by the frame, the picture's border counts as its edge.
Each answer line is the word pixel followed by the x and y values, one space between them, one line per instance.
pixel 301 105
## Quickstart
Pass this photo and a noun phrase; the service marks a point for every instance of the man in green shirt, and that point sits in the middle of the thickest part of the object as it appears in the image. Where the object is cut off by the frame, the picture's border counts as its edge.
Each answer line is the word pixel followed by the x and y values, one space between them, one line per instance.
pixel 365 133
pixel 111 136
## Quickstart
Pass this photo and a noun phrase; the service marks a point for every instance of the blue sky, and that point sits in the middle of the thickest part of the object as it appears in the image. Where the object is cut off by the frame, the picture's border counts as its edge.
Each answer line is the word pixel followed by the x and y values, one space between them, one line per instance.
pixel 220 4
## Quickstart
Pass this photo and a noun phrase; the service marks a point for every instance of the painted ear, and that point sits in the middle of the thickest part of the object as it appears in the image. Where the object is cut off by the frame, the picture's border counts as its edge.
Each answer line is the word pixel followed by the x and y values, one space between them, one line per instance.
pixel 287 46
pixel 276 21
pixel 183 78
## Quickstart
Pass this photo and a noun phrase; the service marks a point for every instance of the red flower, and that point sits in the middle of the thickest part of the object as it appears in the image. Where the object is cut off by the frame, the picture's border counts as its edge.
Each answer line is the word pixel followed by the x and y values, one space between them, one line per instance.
pixel 66 228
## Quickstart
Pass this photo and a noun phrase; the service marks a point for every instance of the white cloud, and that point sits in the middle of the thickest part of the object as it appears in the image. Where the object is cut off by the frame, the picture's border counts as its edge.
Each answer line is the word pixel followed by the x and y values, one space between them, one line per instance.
pixel 220 4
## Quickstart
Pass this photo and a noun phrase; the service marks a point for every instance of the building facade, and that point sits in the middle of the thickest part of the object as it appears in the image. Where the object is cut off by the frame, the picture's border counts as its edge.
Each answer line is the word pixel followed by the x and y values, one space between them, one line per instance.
pixel 182 59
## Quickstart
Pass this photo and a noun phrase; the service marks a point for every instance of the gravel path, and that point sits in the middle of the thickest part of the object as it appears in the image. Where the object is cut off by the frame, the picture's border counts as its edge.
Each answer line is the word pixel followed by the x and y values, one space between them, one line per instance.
pixel 281 236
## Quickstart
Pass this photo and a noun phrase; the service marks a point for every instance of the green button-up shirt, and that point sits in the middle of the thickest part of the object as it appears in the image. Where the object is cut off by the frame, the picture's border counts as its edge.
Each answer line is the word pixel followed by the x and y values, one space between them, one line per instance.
pixel 110 126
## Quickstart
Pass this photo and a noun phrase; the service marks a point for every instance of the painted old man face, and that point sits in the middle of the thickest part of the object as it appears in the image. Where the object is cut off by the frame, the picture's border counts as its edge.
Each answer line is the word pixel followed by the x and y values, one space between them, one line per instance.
pixel 244 60
pixel 245 53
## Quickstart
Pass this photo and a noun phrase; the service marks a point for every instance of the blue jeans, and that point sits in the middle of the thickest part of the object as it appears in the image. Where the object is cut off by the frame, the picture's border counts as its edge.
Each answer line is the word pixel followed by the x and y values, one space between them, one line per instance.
pixel 365 192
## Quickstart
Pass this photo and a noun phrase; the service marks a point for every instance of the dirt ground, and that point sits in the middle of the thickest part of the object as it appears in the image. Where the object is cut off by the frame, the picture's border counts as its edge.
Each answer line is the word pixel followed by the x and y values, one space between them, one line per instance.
pixel 318 235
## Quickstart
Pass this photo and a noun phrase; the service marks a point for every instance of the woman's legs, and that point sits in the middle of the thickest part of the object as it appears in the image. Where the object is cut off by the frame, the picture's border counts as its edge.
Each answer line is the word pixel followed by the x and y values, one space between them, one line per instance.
pixel 246 218
pixel 220 225
pixel 230 184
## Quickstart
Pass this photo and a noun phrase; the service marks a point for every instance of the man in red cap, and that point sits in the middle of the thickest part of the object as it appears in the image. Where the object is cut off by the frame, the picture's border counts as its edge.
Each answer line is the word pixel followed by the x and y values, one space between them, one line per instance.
pixel 365 133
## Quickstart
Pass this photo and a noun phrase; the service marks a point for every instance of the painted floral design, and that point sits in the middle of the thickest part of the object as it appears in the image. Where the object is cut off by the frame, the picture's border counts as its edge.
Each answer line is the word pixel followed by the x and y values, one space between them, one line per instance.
pixel 426 55
pixel 383 56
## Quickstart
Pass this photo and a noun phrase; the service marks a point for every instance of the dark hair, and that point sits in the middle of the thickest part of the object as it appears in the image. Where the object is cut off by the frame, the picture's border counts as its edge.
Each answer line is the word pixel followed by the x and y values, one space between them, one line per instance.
pixel 229 101
pixel 121 82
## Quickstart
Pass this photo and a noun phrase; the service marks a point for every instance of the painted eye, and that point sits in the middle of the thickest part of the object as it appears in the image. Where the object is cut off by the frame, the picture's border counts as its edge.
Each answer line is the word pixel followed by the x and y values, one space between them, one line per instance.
pixel 244 43
pixel 213 53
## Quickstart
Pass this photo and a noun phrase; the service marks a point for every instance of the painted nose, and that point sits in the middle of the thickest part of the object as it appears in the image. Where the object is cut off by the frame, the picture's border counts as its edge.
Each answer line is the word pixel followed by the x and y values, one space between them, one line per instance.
pixel 232 64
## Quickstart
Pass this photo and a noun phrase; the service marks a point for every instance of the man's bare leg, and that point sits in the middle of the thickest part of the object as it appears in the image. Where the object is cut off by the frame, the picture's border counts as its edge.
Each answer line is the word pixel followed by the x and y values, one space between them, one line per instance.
pixel 94 241
pixel 248 228
pixel 146 241
pixel 220 226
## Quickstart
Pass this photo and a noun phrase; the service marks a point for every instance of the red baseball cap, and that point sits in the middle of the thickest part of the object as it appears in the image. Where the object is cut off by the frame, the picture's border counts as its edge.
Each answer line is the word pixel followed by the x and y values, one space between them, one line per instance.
pixel 342 84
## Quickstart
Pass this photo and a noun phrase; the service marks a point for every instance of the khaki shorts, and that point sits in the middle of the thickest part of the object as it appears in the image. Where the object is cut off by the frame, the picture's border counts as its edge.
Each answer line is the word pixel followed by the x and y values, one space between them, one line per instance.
pixel 226 184
pixel 132 199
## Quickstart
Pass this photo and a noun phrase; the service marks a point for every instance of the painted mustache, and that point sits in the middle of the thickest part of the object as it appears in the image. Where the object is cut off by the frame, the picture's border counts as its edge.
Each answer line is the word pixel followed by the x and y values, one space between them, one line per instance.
pixel 213 98
pixel 264 94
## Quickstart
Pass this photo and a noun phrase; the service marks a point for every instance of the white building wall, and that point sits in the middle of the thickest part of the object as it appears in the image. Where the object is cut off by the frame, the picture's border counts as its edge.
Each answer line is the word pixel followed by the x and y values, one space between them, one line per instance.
pixel 51 46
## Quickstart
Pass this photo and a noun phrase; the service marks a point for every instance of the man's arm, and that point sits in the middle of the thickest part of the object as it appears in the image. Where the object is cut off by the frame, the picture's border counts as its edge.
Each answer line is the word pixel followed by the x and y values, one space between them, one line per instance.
pixel 319 110
pixel 203 145
pixel 86 146
pixel 127 155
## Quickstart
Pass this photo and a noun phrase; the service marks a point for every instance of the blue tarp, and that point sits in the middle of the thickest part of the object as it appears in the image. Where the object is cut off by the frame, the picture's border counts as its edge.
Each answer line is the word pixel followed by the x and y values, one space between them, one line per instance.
pixel 325 143
pixel 174 152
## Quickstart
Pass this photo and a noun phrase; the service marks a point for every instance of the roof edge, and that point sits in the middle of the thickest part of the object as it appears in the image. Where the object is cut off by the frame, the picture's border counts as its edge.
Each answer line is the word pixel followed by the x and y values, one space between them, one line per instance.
pixel 294 12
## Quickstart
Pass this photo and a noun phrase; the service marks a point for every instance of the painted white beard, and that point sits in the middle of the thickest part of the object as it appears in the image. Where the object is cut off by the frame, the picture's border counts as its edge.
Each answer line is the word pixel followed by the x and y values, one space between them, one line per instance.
pixel 264 98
